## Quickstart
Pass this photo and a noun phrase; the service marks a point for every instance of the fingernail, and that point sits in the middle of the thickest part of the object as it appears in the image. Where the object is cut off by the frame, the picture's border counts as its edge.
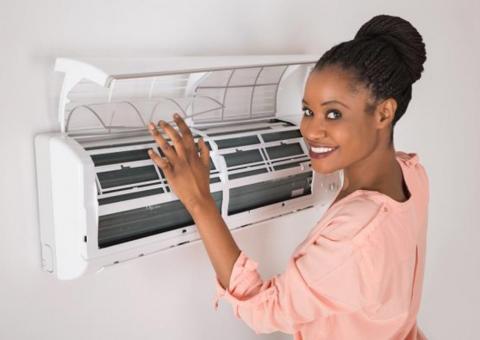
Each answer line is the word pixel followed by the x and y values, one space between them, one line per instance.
pixel 162 123
pixel 176 115
pixel 151 126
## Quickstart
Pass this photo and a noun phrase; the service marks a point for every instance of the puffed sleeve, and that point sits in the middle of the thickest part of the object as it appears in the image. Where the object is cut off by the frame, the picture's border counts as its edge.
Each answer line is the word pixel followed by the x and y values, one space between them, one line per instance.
pixel 326 277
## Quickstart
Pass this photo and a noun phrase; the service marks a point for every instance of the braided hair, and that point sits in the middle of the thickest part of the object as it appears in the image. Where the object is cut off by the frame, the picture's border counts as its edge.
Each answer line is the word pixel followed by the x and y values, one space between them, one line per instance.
pixel 386 55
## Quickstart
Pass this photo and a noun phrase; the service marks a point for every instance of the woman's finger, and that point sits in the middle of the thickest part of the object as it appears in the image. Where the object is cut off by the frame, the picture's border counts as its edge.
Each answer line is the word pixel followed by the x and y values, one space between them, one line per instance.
pixel 204 152
pixel 187 137
pixel 162 163
pixel 163 144
pixel 175 138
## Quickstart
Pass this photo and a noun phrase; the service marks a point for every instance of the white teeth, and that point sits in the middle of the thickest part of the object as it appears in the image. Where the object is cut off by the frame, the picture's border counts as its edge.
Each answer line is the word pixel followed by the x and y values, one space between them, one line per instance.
pixel 321 150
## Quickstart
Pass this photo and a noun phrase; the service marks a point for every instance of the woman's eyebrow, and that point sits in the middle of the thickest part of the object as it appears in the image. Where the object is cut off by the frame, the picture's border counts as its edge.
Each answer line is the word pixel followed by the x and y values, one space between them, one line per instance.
pixel 328 102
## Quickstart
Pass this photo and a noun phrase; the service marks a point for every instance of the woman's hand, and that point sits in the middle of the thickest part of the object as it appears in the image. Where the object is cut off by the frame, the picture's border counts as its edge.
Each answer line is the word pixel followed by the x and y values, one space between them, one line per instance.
pixel 187 173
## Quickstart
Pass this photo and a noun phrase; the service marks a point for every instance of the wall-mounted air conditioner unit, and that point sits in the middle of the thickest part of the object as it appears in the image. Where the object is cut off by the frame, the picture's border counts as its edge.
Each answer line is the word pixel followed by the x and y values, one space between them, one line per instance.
pixel 103 201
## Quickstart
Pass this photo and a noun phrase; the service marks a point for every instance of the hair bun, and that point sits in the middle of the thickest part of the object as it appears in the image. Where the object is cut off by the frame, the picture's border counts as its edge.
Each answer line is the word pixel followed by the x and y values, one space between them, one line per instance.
pixel 402 36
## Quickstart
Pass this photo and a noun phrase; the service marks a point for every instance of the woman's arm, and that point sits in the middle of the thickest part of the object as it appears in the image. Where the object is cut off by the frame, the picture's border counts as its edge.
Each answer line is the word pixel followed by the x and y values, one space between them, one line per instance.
pixel 220 245
pixel 188 174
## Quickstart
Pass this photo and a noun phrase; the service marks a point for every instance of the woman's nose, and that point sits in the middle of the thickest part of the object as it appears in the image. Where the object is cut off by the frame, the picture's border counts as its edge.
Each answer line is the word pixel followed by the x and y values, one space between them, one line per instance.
pixel 314 131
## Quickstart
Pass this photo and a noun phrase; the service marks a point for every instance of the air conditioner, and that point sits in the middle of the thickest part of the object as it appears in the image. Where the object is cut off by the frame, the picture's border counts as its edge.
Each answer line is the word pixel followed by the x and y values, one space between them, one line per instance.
pixel 103 201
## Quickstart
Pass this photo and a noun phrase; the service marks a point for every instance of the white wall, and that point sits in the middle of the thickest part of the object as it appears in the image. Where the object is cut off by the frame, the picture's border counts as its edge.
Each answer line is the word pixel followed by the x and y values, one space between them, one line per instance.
pixel 154 297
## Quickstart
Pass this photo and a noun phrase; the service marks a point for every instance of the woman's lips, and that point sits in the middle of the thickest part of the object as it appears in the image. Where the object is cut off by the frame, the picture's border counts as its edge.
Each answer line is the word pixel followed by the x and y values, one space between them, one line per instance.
pixel 320 155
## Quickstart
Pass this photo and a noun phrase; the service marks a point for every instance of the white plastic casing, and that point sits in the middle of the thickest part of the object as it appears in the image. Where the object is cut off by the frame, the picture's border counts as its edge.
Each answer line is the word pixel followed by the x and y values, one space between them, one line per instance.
pixel 69 188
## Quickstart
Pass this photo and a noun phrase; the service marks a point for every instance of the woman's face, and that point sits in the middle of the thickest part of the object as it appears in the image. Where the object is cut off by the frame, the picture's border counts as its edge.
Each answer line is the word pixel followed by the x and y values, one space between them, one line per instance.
pixel 334 116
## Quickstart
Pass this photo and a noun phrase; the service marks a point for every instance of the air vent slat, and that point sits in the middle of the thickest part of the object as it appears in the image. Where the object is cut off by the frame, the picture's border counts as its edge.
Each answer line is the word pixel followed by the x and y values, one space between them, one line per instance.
pixel 237 142
pixel 137 223
pixel 125 197
pixel 287 165
pixel 284 150
pixel 125 176
pixel 282 135
pixel 243 157
pixel 247 173
pixel 260 194
pixel 120 157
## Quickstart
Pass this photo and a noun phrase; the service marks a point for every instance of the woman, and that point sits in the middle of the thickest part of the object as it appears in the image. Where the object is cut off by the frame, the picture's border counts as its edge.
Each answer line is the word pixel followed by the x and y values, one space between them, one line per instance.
pixel 359 272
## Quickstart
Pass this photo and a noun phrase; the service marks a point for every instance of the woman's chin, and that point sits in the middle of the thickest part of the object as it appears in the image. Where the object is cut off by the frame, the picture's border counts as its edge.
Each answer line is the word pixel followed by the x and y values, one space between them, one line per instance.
pixel 322 168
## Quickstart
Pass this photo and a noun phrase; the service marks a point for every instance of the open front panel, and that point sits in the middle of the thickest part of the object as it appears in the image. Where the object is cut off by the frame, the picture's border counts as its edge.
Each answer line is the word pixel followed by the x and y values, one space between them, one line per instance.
pixel 103 103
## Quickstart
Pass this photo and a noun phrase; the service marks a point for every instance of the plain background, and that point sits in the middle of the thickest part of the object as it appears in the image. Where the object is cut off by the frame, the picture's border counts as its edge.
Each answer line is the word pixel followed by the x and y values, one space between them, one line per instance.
pixel 169 296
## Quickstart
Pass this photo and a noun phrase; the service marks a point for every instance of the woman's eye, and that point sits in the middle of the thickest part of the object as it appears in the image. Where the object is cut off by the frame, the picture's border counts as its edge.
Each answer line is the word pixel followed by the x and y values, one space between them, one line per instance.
pixel 307 112
pixel 336 112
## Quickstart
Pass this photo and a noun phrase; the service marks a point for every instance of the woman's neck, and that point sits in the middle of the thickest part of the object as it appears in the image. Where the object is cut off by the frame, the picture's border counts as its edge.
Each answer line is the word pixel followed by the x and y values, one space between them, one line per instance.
pixel 379 171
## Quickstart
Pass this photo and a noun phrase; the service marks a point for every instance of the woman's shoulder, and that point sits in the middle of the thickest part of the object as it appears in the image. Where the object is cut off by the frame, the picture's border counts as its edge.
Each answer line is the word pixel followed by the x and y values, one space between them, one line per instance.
pixel 418 176
pixel 412 161
pixel 409 158
pixel 354 216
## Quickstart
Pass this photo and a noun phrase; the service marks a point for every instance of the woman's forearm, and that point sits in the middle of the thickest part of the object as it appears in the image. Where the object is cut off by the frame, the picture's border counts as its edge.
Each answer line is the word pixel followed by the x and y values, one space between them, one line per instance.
pixel 219 243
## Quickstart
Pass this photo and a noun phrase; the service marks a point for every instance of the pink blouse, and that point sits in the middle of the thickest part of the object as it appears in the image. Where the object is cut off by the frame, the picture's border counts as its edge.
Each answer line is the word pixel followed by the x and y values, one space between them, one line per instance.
pixel 357 275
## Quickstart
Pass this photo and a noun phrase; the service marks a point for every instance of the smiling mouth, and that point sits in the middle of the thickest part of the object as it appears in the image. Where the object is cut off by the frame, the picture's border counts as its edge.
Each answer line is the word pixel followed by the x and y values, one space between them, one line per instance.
pixel 321 152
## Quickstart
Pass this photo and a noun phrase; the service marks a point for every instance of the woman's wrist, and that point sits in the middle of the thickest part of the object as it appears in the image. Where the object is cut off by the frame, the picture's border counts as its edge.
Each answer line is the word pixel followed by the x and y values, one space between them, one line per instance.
pixel 202 206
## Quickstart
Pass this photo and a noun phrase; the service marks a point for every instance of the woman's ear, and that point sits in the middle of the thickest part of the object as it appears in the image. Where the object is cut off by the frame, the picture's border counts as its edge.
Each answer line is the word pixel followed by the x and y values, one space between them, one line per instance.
pixel 386 112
